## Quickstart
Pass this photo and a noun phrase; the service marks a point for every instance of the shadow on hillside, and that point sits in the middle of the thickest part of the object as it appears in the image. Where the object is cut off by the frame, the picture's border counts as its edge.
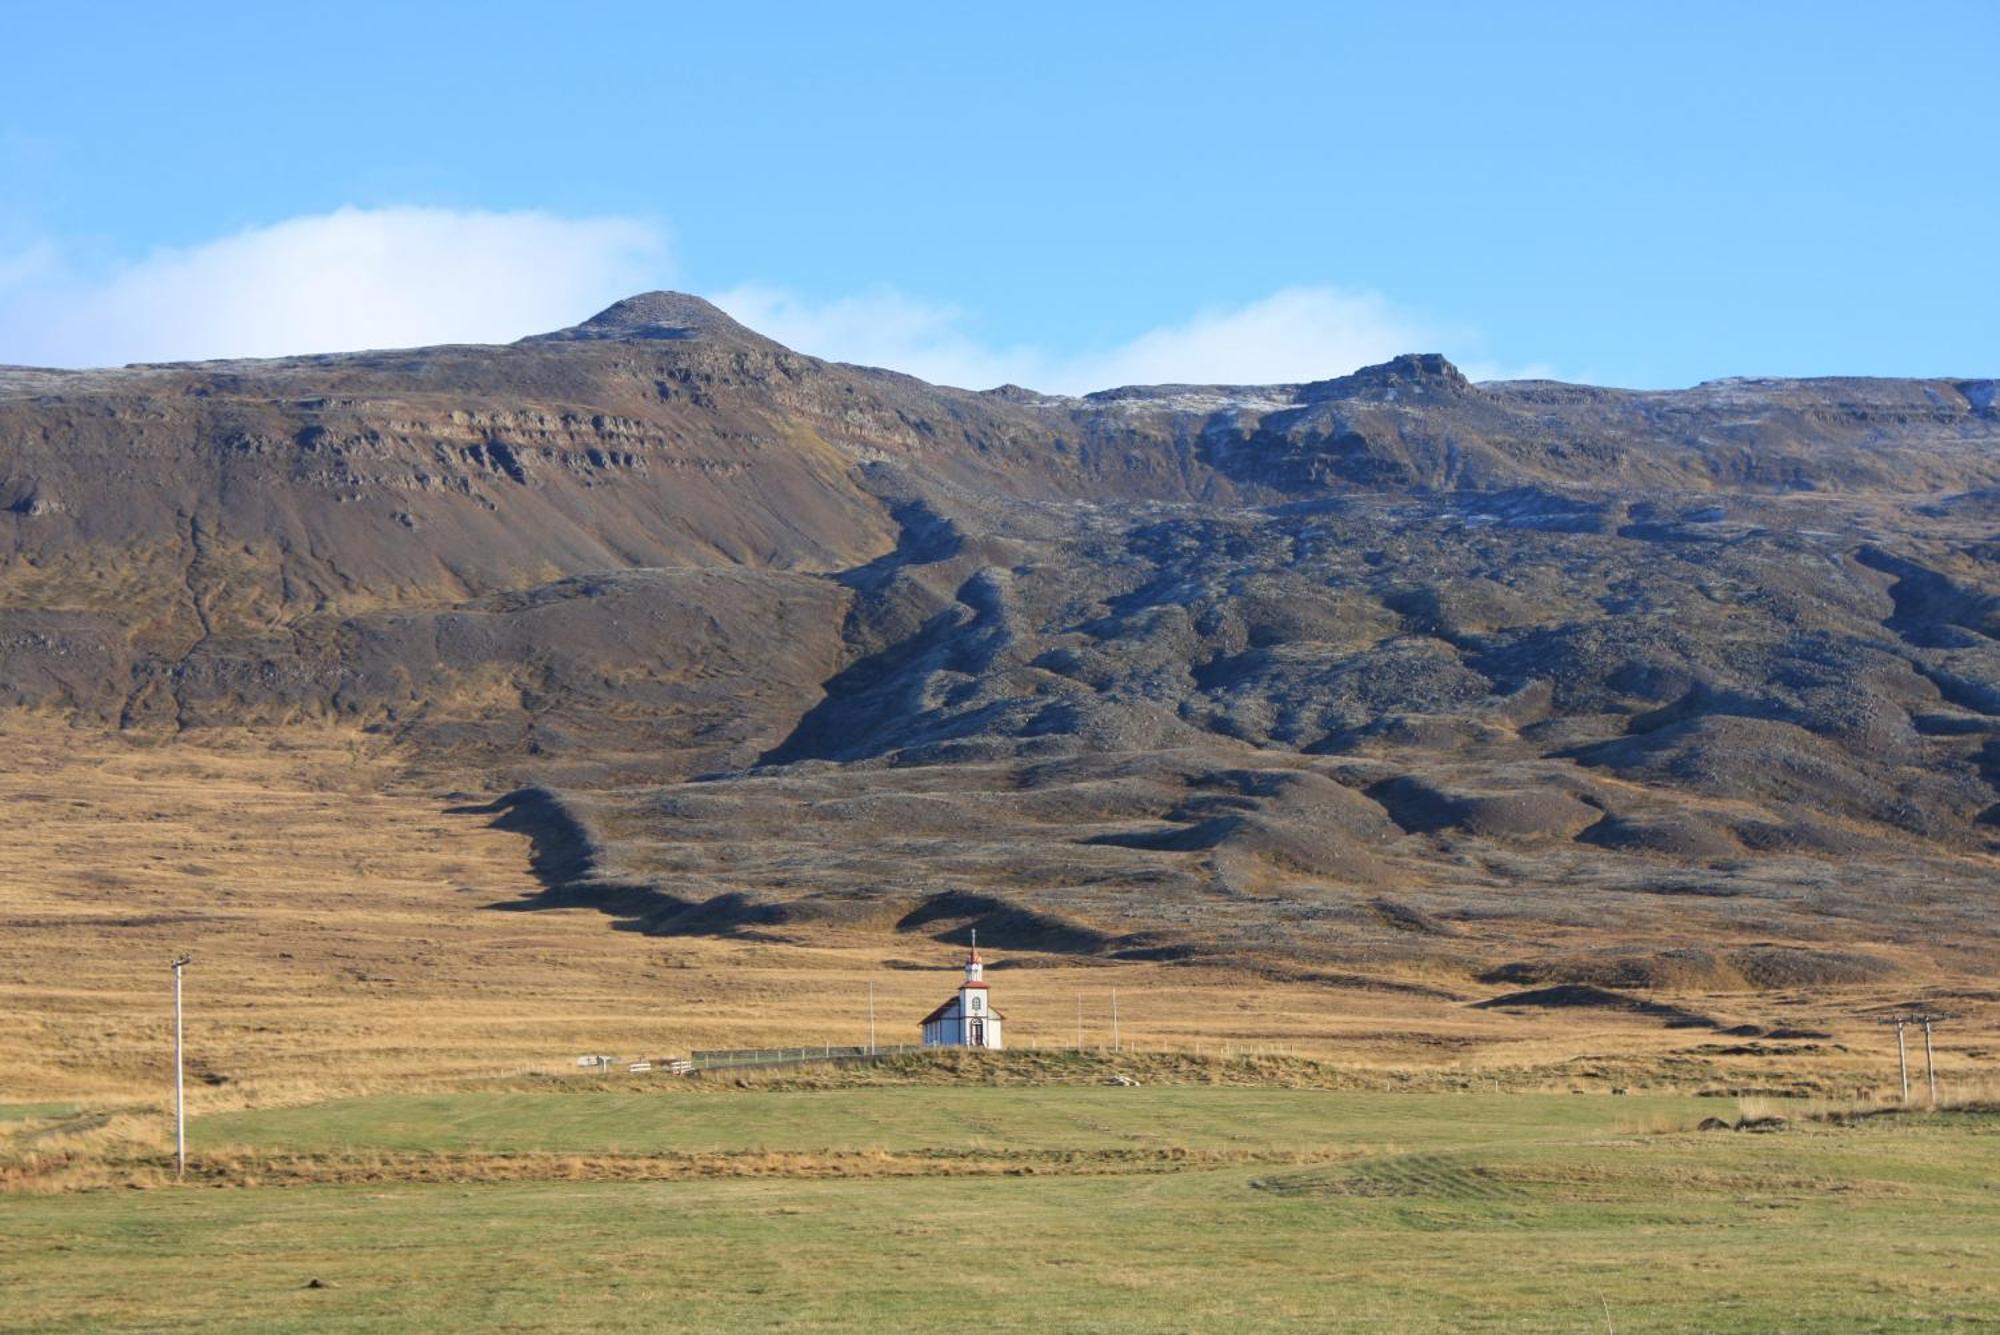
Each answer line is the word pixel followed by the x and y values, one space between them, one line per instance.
pixel 566 860
pixel 860 703
pixel 563 858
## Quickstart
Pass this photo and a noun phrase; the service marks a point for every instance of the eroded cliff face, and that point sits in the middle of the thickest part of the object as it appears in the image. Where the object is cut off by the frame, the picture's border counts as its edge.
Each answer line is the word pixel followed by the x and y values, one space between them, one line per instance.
pixel 1169 668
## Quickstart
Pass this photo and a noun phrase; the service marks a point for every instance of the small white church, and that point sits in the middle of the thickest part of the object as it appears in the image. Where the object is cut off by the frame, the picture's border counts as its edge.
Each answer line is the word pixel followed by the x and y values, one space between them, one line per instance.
pixel 968 1020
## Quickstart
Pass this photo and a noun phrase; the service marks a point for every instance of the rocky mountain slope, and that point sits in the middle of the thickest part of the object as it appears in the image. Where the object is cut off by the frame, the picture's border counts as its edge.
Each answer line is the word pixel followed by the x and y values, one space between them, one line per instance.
pixel 1389 672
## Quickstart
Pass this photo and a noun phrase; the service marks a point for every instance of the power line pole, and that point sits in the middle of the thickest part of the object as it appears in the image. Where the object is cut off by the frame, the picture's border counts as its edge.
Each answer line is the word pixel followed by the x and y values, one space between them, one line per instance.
pixel 1114 1019
pixel 1903 1060
pixel 1902 1022
pixel 871 1017
pixel 180 1076
pixel 1079 1022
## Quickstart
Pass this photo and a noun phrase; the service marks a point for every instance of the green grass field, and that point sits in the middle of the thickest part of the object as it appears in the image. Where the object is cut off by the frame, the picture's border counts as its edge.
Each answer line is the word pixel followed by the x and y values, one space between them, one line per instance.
pixel 1441 1212
pixel 940 1117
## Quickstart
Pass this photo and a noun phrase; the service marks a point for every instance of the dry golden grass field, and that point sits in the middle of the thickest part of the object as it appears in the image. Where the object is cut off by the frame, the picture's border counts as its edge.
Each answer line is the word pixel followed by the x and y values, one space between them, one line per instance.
pixel 351 934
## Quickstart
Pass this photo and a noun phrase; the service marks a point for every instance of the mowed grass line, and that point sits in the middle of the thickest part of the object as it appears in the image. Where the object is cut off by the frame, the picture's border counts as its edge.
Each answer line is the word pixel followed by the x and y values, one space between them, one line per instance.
pixel 1882 1226
pixel 926 1118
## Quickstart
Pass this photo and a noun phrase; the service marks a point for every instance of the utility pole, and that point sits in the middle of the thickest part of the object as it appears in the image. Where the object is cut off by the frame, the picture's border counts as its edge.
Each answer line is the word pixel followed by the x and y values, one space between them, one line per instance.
pixel 1927 1019
pixel 180 1076
pixel 871 1017
pixel 1079 1023
pixel 1903 1060
pixel 1114 1019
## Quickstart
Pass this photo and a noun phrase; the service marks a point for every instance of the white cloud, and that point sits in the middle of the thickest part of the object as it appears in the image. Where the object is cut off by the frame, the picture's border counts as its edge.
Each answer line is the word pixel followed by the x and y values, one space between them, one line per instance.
pixel 351 279
pixel 1301 333
pixel 1296 334
pixel 39 263
pixel 1478 370
pixel 883 329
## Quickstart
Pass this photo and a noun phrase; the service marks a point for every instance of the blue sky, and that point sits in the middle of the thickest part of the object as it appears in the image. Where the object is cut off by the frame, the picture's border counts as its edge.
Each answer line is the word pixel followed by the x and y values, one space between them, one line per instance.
pixel 1633 194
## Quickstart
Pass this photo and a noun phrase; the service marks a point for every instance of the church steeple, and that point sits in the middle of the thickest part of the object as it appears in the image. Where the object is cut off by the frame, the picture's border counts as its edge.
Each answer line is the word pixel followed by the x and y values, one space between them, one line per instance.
pixel 974 970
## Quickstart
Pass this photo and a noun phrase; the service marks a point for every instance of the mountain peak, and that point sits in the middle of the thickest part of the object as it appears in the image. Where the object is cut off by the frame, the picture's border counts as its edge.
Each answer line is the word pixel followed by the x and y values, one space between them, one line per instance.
pixel 1419 374
pixel 649 315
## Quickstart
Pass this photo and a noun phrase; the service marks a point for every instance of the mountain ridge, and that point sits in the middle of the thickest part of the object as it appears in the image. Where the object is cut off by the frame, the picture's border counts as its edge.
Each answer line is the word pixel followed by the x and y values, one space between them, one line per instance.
pixel 667 314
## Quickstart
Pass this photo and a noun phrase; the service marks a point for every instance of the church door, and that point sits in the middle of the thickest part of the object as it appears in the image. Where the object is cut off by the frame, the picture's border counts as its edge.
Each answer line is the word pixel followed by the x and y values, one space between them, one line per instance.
pixel 978 1039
